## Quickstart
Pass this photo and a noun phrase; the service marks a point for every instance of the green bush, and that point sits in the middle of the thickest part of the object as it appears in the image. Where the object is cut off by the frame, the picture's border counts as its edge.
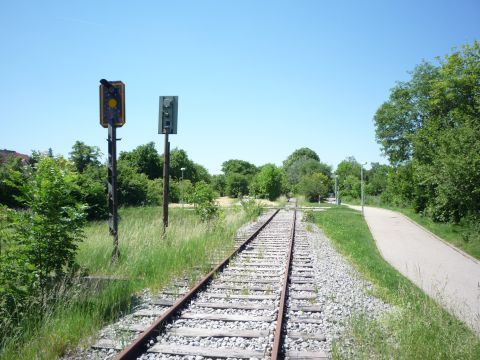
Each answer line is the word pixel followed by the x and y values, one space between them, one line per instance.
pixel 155 192
pixel 38 245
pixel 251 208
pixel 314 186
pixel 236 185
pixel 132 186
pixel 54 219
pixel 269 182
pixel 92 184
pixel 12 176
pixel 203 198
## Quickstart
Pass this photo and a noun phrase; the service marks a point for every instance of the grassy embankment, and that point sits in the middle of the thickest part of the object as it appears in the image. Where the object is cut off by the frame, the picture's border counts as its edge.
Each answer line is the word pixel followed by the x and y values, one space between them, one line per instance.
pixel 464 236
pixel 418 328
pixel 147 260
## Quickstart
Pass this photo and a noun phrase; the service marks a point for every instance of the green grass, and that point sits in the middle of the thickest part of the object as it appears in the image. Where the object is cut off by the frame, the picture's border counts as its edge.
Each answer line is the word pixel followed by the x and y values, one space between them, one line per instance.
pixel 464 236
pixel 418 328
pixel 148 259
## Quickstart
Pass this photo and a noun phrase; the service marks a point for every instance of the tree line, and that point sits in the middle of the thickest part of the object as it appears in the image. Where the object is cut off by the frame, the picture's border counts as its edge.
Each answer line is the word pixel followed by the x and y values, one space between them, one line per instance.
pixel 429 129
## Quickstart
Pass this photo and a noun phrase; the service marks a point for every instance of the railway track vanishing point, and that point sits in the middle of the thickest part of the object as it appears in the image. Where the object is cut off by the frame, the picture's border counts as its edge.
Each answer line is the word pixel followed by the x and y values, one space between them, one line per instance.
pixel 242 307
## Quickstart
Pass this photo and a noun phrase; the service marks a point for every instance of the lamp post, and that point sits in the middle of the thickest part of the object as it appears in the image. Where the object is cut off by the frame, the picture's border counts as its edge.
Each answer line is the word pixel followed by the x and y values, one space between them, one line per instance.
pixel 362 195
pixel 336 189
pixel 182 169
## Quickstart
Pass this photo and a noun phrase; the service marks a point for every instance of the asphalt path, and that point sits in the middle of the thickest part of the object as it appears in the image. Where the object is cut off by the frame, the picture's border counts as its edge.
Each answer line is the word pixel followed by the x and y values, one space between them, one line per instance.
pixel 445 273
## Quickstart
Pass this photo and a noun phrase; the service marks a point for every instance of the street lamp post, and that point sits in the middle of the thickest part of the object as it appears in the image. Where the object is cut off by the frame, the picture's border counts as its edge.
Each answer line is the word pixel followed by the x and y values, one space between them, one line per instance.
pixel 362 194
pixel 182 169
pixel 336 189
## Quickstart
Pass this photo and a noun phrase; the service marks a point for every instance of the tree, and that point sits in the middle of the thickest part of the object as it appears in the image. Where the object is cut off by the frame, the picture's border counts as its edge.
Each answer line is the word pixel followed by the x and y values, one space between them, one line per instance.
pixel 306 166
pixel 145 160
pixel 132 186
pixel 269 182
pixel 92 185
pixel 348 172
pixel 236 185
pixel 302 153
pixel 314 186
pixel 203 198
pixel 83 155
pixel 351 187
pixel 376 179
pixel 430 123
pixel 13 175
pixel 54 220
pixel 219 184
pixel 193 171
pixel 239 167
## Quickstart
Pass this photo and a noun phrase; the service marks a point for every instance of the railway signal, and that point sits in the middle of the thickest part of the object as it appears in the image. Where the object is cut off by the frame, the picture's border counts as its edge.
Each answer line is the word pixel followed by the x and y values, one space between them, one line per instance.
pixel 112 115
pixel 167 124
pixel 167 115
pixel 112 103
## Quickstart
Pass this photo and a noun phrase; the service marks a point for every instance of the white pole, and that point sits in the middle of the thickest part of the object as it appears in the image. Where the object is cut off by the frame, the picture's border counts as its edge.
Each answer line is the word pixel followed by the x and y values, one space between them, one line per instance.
pixel 182 169
pixel 336 189
pixel 362 196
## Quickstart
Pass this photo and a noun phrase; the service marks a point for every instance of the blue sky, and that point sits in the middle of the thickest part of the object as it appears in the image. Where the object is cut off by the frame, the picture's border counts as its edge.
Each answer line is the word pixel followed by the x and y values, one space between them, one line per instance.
pixel 255 79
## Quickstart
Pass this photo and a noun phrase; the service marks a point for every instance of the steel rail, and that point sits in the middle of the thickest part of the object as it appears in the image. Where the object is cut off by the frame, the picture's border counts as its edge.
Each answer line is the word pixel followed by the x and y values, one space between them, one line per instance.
pixel 139 345
pixel 277 342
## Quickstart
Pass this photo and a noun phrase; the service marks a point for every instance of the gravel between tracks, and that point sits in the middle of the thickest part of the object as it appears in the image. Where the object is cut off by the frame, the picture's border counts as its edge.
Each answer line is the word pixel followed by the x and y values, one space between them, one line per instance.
pixel 341 292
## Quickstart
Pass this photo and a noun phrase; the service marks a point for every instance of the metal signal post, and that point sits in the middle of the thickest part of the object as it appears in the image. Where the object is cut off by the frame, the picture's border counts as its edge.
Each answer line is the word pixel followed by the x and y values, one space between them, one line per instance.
pixel 112 115
pixel 167 124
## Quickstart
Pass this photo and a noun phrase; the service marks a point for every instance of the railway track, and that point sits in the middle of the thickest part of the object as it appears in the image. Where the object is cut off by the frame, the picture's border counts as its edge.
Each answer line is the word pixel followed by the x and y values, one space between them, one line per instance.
pixel 257 303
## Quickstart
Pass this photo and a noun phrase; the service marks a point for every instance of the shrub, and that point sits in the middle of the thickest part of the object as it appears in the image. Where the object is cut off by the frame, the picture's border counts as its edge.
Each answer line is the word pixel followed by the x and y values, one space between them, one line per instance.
pixel 92 184
pixel 38 245
pixel 155 192
pixel 314 186
pixel 203 198
pixel 251 208
pixel 132 186
pixel 54 219
pixel 236 185
pixel 269 182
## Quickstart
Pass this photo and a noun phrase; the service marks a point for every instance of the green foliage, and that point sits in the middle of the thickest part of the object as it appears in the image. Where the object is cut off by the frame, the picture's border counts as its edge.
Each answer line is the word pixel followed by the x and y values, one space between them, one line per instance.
pixel 92 185
pixel 83 156
pixel 314 186
pixel 306 166
pixel 376 179
pixel 38 245
pixel 175 191
pixel 132 186
pixel 431 124
pixel 193 171
pixel 251 207
pixel 219 184
pixel 154 192
pixel 144 159
pixel 13 175
pixel 269 182
pixel 302 153
pixel 417 328
pixel 54 219
pixel 351 187
pixel 239 167
pixel 236 185
pixel 17 272
pixel 203 198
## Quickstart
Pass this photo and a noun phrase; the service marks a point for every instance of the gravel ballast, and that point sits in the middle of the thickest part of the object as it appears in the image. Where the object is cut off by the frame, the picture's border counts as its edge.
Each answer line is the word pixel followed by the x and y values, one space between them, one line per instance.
pixel 334 287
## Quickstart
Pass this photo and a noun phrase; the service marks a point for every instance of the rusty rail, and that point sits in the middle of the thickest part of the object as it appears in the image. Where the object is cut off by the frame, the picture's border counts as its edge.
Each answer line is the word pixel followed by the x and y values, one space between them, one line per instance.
pixel 139 345
pixel 277 342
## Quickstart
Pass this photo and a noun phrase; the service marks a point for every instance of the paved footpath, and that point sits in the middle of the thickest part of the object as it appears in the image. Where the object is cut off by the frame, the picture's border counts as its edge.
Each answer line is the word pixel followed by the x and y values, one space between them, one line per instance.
pixel 442 271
